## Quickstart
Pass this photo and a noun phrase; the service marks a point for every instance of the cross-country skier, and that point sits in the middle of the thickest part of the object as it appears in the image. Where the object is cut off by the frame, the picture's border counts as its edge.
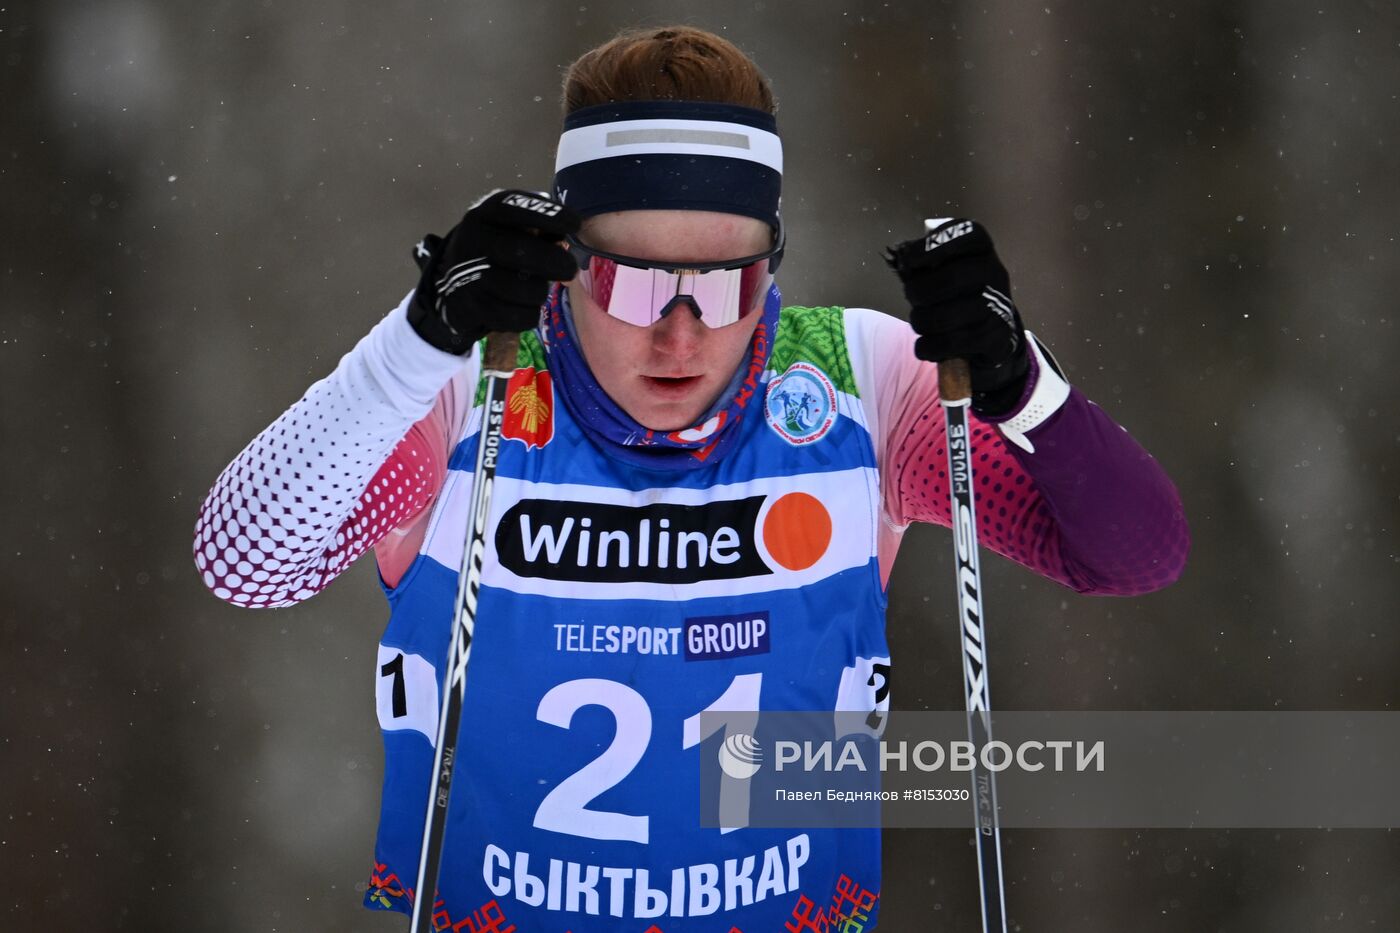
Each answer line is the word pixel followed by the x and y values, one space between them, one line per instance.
pixel 696 506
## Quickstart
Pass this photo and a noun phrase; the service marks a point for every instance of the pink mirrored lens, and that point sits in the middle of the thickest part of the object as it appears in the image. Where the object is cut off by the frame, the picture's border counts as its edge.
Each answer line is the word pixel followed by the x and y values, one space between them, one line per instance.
pixel 641 296
pixel 598 278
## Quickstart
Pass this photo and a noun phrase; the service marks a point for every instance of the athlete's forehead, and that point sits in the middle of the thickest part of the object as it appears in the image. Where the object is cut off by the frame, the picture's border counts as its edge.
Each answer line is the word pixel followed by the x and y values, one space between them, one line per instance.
pixel 677 235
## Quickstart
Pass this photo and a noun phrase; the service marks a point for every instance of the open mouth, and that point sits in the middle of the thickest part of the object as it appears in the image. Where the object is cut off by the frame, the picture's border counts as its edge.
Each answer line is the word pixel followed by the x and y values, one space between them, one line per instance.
pixel 668 385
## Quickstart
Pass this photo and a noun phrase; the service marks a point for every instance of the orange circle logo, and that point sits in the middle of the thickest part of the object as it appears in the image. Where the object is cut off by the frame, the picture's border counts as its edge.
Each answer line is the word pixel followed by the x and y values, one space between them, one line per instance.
pixel 797 530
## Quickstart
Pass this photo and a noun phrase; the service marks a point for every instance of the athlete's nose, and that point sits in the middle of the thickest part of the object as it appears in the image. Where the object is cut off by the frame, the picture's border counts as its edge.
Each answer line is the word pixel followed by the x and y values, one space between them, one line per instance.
pixel 680 332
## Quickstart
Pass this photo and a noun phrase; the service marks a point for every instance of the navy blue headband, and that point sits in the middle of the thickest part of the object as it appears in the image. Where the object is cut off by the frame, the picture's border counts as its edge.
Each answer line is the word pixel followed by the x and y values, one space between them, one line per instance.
pixel 671 155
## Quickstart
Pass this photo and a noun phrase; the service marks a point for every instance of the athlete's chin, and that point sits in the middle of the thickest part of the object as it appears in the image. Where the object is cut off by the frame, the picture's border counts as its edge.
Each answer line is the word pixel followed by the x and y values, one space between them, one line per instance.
pixel 664 419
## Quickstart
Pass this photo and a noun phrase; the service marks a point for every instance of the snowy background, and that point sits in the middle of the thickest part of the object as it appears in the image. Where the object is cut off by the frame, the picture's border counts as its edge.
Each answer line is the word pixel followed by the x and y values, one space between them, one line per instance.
pixel 206 204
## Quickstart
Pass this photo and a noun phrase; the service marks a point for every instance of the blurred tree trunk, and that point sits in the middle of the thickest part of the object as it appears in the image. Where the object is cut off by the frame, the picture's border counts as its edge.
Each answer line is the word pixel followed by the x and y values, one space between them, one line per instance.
pixel 92 694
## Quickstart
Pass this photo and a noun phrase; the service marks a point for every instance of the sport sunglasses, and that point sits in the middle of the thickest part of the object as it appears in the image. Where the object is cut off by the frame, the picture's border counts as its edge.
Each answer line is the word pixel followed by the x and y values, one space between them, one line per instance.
pixel 642 291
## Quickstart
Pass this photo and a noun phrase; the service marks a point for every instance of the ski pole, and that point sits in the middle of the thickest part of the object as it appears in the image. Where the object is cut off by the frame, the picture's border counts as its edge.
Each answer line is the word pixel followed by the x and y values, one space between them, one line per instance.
pixel 498 364
pixel 955 392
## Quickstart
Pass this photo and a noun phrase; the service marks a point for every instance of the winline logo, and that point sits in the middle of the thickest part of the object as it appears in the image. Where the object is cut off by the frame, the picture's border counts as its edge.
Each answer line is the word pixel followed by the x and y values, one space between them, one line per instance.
pixel 662 543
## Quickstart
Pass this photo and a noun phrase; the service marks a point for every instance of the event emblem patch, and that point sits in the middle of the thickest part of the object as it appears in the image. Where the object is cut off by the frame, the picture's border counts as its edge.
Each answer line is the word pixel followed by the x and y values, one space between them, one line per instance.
pixel 801 404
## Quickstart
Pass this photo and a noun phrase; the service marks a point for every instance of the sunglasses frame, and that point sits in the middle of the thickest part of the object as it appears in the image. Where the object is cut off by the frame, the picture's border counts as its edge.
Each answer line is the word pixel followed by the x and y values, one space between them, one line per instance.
pixel 774 255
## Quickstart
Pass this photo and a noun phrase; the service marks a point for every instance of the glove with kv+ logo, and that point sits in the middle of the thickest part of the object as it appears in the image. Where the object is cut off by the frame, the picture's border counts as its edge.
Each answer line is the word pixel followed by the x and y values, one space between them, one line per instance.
pixel 492 271
pixel 960 300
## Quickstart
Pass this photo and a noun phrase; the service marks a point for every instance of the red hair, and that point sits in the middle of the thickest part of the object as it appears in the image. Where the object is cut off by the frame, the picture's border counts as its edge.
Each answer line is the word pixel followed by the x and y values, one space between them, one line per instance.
pixel 667 63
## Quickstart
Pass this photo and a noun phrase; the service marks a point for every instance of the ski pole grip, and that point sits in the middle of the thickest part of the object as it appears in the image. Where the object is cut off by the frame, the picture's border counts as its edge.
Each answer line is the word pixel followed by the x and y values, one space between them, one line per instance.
pixel 501 348
pixel 954 380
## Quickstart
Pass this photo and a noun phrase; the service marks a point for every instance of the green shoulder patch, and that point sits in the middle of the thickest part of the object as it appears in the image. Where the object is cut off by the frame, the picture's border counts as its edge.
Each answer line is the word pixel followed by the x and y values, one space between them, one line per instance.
pixel 816 336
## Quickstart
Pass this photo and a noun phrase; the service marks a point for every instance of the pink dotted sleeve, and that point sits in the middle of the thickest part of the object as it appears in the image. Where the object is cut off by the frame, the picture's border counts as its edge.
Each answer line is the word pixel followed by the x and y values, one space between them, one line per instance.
pixel 1089 508
pixel 428 445
pixel 358 457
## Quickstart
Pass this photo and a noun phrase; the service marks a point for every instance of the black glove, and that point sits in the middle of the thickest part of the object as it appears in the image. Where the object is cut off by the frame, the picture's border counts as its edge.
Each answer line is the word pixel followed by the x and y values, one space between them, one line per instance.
pixel 960 299
pixel 492 271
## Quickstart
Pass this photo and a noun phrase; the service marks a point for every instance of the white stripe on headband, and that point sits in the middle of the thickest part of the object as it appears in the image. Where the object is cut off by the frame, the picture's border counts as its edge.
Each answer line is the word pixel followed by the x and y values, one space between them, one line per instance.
pixel 669 137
